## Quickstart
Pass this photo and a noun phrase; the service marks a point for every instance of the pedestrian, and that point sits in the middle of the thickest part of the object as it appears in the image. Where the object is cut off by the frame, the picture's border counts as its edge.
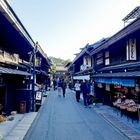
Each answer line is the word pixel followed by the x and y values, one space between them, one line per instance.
pixel 59 87
pixel 70 85
pixel 77 88
pixel 85 89
pixel 54 84
pixel 64 85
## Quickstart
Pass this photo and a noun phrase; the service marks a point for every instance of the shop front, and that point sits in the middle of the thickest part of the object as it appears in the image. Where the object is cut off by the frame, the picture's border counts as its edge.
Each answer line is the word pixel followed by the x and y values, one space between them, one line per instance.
pixel 14 88
pixel 114 87
pixel 121 93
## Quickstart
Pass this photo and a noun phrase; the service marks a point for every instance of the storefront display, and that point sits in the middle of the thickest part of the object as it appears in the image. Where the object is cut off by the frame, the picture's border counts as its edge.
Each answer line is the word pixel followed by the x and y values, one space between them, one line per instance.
pixel 100 85
pixel 128 107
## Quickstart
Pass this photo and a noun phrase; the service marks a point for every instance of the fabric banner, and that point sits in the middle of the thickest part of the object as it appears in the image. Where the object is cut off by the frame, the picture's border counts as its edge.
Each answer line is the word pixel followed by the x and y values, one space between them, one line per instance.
pixel 116 81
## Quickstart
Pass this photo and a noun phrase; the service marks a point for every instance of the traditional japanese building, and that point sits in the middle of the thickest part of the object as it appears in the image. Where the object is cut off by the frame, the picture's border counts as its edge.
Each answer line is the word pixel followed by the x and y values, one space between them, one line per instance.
pixel 82 66
pixel 113 62
pixel 19 62
pixel 117 61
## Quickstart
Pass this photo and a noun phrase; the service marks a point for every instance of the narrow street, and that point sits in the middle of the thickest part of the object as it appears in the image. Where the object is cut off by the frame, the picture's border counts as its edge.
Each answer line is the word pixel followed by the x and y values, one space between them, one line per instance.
pixel 65 119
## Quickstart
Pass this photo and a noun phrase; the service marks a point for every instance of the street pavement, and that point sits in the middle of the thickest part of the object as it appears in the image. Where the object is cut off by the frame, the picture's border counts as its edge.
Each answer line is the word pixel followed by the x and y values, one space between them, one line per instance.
pixel 18 127
pixel 64 119
pixel 19 130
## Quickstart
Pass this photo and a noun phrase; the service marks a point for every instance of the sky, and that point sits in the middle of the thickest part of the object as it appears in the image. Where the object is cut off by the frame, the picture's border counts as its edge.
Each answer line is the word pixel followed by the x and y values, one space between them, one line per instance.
pixel 62 27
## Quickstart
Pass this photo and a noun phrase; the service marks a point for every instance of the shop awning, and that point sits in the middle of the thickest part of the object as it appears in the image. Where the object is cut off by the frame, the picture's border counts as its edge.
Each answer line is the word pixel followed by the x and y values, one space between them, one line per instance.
pixel 82 77
pixel 117 81
pixel 119 78
pixel 13 71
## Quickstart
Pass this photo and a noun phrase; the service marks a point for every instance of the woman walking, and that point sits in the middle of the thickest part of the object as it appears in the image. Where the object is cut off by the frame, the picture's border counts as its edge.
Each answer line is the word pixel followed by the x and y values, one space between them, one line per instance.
pixel 77 88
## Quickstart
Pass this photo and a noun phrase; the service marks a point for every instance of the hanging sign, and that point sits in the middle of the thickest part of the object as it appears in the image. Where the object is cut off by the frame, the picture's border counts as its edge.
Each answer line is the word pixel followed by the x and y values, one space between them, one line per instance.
pixel 131 49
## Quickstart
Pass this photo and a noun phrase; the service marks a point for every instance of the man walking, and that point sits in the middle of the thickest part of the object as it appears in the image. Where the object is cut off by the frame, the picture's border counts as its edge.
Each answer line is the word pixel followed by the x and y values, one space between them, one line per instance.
pixel 85 89
pixel 64 85
pixel 59 87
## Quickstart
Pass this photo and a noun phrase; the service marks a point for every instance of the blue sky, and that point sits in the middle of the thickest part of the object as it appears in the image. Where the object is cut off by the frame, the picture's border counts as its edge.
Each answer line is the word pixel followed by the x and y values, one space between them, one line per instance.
pixel 62 27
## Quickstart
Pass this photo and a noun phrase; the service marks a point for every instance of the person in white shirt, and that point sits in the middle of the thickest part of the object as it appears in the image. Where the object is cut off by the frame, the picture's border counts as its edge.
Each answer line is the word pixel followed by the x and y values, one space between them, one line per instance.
pixel 77 88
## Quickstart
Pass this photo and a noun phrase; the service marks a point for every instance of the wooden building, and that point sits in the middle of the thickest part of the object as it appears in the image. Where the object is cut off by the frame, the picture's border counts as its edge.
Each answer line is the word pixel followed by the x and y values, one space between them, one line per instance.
pixel 115 63
pixel 16 62
pixel 82 66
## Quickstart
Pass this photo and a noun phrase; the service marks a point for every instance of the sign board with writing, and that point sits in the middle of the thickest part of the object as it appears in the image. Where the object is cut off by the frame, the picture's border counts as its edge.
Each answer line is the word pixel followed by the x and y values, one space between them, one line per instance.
pixel 38 97
pixel 131 49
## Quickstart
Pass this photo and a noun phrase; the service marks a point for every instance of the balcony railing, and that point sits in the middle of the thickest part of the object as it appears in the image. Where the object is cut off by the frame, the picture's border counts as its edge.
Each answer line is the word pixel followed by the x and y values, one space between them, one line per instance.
pixel 11 58
pixel 84 67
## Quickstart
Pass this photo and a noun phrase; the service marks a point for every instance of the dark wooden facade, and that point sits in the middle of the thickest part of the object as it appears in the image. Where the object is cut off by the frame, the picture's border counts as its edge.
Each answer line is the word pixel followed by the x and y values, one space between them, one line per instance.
pixel 16 65
pixel 115 63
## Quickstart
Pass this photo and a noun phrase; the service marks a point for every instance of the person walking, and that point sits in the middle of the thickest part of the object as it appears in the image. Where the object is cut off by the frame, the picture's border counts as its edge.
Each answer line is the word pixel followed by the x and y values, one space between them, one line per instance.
pixel 85 89
pixel 77 88
pixel 64 85
pixel 54 84
pixel 59 87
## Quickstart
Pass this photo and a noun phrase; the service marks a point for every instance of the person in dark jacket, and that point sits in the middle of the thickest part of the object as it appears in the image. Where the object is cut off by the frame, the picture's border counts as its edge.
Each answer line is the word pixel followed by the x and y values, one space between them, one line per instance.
pixel 64 85
pixel 85 89
pixel 59 87
pixel 54 84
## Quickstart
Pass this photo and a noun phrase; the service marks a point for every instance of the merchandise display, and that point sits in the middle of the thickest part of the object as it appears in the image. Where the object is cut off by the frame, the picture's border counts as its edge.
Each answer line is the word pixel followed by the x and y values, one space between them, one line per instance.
pixel 128 107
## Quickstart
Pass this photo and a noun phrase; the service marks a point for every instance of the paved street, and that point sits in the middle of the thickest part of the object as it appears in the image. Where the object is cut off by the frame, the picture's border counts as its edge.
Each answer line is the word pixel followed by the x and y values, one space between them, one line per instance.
pixel 65 119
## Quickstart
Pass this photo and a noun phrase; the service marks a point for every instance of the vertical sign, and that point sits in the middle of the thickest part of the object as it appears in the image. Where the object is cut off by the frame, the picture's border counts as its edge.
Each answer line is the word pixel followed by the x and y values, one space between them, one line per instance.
pixel 127 50
pixel 38 97
pixel 131 49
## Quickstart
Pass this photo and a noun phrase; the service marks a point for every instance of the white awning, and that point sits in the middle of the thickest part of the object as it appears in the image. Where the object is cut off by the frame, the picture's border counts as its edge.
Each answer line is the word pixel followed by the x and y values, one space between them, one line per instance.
pixel 82 77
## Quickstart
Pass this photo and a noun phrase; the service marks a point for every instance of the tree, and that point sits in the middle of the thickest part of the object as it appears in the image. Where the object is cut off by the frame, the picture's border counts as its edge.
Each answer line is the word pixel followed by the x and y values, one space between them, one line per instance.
pixel 58 61
pixel 53 69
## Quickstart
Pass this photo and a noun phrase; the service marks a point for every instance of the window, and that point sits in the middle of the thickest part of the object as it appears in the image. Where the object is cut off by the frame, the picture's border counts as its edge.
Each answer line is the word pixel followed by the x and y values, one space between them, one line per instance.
pixel 99 59
pixel 107 60
pixel 86 59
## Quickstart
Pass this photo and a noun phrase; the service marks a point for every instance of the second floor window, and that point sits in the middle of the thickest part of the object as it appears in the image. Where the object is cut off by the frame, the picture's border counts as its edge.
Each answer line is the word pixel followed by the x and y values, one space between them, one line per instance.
pixel 99 59
pixel 86 58
pixel 107 59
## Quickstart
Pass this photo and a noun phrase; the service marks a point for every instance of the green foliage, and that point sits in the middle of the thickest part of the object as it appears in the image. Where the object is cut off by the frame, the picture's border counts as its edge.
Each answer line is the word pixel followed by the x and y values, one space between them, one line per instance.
pixel 58 61
pixel 53 69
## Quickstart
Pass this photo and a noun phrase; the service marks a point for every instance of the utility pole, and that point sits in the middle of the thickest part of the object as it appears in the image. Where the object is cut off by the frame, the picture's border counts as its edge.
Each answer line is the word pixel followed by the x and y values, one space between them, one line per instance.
pixel 34 76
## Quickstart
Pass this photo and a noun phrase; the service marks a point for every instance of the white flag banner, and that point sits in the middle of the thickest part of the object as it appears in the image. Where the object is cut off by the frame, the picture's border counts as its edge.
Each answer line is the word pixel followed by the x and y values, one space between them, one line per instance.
pixel 131 50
